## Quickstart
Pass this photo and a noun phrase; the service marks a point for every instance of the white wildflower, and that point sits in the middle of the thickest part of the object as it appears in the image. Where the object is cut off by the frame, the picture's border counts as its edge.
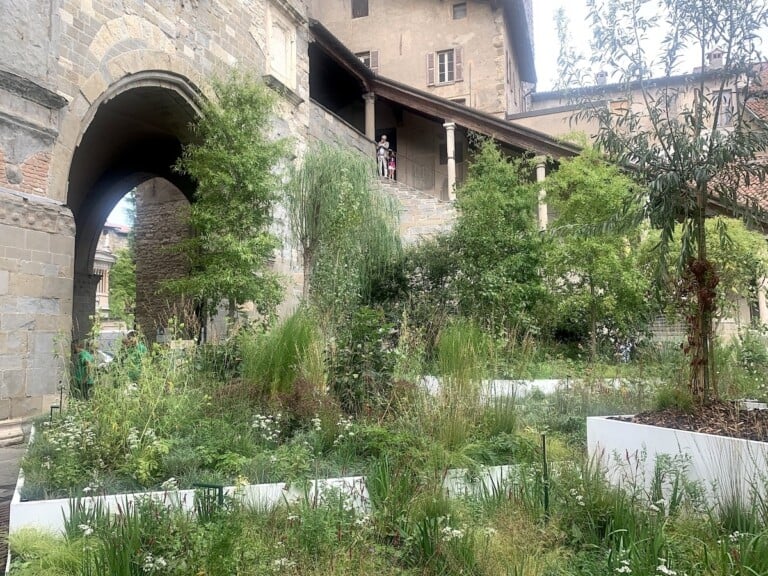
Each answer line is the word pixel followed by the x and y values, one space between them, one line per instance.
pixel 282 563
pixel 170 485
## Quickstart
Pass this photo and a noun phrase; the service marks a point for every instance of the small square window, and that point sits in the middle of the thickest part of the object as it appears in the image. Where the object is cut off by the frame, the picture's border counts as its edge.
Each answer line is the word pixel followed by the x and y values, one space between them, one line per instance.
pixel 359 8
pixel 459 10
pixel 365 58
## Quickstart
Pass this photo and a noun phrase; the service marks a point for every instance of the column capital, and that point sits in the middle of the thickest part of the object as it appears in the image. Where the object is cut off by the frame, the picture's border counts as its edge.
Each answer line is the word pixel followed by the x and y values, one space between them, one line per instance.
pixel 449 125
pixel 369 96
pixel 539 160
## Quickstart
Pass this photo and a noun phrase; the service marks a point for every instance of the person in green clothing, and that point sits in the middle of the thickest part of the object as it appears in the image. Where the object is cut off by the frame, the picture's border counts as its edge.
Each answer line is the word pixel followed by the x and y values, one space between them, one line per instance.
pixel 134 350
pixel 84 366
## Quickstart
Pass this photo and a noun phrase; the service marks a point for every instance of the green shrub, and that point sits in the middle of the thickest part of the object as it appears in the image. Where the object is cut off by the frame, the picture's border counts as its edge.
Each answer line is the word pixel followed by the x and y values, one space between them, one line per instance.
pixel 362 363
pixel 273 362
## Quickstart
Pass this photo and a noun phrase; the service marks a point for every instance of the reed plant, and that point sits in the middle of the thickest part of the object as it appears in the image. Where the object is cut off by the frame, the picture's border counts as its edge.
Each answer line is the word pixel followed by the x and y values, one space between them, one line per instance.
pixel 273 361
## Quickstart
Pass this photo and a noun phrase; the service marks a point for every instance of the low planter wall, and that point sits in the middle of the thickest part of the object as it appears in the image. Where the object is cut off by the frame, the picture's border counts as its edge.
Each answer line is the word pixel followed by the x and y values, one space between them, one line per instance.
pixel 50 515
pixel 726 468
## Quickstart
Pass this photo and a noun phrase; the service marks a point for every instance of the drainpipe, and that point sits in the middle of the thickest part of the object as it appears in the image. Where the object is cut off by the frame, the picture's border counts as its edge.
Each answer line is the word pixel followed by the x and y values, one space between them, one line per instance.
pixel 450 144
pixel 370 115
pixel 541 173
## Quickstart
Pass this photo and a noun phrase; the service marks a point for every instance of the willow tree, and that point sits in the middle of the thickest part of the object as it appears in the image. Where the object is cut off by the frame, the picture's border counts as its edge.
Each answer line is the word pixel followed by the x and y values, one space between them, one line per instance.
pixel 345 228
pixel 692 144
pixel 232 159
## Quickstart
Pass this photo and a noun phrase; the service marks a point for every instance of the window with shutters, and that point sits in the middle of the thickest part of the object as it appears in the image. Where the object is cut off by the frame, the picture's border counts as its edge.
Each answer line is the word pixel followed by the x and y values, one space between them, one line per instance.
pixel 359 8
pixel 444 67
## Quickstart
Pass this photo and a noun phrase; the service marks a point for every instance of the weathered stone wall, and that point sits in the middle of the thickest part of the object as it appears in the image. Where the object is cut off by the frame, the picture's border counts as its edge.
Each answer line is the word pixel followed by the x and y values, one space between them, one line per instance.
pixel 60 61
pixel 327 127
pixel 162 214
pixel 36 243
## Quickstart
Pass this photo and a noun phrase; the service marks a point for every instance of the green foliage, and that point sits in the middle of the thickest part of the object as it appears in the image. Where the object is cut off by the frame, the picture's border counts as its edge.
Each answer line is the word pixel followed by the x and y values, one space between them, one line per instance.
pixel 362 363
pixel 430 269
pixel 274 361
pixel 233 162
pixel 496 243
pixel 739 255
pixel 671 137
pixel 463 356
pixel 122 286
pixel 592 262
pixel 347 230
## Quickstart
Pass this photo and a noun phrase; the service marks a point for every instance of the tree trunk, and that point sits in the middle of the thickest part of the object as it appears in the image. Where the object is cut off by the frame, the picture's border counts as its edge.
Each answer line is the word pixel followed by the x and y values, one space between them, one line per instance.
pixel 702 280
pixel 593 324
pixel 307 263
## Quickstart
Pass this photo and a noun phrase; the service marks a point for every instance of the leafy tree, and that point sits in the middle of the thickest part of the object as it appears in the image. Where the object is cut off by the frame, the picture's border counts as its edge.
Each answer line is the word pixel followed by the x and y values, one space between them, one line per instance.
pixel 671 137
pixel 233 161
pixel 593 269
pixel 739 255
pixel 346 230
pixel 496 243
pixel 122 286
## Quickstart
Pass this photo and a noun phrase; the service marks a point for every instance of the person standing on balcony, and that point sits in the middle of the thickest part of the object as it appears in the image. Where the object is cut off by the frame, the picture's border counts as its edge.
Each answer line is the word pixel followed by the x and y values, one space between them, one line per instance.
pixel 391 165
pixel 382 152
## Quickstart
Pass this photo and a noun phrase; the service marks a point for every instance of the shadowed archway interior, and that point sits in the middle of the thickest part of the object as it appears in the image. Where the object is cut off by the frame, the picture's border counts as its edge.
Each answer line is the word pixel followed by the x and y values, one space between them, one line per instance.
pixel 135 135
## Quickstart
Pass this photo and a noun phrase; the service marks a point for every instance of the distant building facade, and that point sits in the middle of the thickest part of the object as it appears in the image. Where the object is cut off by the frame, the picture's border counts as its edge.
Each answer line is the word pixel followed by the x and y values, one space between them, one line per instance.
pixel 114 237
pixel 476 53
pixel 556 113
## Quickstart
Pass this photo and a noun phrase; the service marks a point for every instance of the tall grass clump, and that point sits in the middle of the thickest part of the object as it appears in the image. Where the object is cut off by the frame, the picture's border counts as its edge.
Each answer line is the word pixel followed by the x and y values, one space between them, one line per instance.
pixel 272 362
pixel 462 360
pixel 463 354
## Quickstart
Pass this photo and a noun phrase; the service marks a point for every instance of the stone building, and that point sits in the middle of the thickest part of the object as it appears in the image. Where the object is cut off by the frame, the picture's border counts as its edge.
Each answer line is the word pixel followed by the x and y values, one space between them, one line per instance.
pixel 475 52
pixel 557 114
pixel 96 99
pixel 114 237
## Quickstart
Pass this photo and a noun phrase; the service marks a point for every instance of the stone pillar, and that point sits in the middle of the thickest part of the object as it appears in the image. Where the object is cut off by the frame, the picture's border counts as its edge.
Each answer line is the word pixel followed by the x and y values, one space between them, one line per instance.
pixel 541 173
pixel 370 115
pixel 450 144
pixel 84 305
pixel 37 239
pixel 162 221
pixel 761 304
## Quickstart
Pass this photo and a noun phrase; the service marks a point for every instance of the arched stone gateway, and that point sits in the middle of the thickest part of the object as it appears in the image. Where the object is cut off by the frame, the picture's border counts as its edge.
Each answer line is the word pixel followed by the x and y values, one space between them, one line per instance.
pixel 93 103
pixel 133 136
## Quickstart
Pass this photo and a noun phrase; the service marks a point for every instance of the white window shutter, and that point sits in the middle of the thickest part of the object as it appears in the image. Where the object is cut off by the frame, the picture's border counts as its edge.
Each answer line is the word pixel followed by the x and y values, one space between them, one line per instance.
pixel 431 69
pixel 374 61
pixel 458 60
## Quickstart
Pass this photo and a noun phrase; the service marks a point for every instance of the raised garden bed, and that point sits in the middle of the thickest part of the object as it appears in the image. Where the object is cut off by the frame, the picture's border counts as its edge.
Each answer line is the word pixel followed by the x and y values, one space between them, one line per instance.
pixel 728 469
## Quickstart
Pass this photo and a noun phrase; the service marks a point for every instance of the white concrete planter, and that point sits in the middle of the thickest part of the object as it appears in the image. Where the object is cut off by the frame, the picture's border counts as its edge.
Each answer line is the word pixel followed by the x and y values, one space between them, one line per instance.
pixel 50 515
pixel 726 468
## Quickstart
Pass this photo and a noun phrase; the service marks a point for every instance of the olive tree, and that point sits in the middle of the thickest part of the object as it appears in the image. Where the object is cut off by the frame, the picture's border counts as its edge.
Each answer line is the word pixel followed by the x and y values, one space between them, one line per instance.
pixel 691 144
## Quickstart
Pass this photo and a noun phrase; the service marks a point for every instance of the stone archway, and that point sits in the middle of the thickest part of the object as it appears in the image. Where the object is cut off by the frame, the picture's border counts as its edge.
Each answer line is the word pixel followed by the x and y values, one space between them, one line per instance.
pixel 132 134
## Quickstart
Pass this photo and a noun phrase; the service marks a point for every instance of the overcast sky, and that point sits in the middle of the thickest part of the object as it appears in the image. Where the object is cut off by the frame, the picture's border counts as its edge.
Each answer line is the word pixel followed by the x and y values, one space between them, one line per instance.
pixel 545 39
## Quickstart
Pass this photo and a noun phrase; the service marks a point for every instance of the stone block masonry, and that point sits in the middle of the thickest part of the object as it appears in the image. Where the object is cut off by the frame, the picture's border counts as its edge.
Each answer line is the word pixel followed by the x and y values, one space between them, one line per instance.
pixel 36 243
pixel 80 83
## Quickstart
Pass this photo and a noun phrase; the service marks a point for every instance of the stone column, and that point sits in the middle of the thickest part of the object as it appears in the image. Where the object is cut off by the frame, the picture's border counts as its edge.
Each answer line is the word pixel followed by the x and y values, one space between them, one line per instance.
pixel 84 305
pixel 370 115
pixel 761 304
pixel 541 173
pixel 450 144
